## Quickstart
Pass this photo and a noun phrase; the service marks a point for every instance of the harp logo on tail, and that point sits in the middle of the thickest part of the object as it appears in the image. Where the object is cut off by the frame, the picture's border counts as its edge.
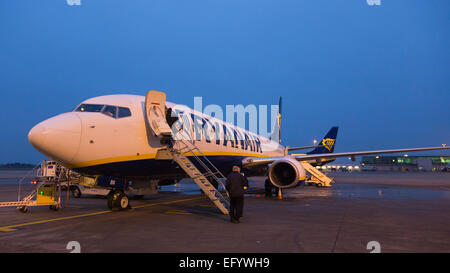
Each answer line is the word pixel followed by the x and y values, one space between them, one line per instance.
pixel 328 143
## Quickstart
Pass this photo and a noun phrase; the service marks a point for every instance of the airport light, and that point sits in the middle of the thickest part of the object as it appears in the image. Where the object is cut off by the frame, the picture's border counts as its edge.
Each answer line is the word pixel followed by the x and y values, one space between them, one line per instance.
pixel 315 142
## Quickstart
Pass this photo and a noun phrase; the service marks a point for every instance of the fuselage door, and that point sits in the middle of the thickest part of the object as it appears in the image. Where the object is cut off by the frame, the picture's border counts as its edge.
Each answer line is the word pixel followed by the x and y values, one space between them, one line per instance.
pixel 155 108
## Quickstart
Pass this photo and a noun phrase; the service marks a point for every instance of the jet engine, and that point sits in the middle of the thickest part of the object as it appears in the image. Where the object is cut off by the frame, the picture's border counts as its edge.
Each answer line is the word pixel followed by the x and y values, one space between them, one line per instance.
pixel 286 172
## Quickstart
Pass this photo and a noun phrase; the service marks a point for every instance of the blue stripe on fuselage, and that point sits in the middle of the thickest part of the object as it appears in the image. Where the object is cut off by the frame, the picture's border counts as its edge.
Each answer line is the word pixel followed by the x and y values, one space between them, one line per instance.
pixel 151 168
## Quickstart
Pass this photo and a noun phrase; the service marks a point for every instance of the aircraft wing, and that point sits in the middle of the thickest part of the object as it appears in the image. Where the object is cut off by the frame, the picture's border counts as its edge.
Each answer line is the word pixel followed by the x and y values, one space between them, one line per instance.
pixel 304 148
pixel 257 161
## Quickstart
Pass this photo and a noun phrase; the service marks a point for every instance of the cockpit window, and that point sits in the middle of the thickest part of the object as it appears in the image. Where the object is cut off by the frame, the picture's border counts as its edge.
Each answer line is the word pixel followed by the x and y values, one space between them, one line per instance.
pixel 110 111
pixel 89 108
pixel 124 112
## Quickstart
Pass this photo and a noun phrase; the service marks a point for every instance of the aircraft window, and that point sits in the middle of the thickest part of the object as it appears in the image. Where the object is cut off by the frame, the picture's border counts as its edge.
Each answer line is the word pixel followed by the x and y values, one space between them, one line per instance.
pixel 124 112
pixel 89 108
pixel 110 111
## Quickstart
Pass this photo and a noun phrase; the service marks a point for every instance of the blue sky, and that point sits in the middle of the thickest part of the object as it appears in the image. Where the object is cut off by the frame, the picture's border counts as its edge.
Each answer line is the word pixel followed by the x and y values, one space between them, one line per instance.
pixel 381 73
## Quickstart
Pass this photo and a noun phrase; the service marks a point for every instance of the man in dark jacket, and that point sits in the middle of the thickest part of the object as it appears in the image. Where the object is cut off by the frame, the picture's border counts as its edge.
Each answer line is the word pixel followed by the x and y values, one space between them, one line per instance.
pixel 235 187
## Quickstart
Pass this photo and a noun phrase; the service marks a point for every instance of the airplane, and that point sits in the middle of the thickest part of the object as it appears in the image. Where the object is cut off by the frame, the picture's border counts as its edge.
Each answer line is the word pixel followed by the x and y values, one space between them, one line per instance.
pixel 120 135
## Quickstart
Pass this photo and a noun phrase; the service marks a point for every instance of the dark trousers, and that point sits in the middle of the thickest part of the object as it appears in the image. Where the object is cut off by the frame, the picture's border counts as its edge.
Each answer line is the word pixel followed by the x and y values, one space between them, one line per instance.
pixel 268 188
pixel 236 207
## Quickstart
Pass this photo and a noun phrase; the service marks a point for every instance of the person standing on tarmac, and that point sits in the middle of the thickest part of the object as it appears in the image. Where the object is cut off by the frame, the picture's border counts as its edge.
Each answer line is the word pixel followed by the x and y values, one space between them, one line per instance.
pixel 268 188
pixel 235 185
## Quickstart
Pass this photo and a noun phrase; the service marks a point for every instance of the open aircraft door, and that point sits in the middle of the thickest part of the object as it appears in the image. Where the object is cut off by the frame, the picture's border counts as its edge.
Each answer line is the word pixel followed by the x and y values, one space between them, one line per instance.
pixel 155 109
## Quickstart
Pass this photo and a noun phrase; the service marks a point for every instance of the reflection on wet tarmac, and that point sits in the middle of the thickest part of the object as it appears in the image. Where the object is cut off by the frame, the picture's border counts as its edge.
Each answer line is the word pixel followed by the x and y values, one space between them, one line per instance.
pixel 369 191
pixel 340 190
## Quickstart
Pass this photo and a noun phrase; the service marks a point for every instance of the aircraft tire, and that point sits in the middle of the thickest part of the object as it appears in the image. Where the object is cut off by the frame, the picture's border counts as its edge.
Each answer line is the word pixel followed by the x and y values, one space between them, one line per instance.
pixel 118 201
pixel 122 202
pixel 76 193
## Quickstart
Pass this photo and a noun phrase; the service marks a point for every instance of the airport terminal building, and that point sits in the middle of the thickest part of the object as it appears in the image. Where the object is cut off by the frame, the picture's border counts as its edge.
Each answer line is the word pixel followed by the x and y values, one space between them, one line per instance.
pixel 405 163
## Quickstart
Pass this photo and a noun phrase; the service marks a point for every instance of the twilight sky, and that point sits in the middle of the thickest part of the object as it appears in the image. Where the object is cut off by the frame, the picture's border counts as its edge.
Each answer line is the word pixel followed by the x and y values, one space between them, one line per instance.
pixel 381 73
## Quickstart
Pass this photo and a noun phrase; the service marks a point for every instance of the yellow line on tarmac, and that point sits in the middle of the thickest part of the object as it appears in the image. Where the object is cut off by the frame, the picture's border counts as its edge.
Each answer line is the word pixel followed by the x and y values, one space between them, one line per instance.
pixel 11 227
pixel 179 212
pixel 170 202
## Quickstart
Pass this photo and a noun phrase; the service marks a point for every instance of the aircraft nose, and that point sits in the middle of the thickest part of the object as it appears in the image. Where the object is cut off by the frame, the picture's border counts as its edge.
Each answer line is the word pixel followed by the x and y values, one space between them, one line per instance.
pixel 57 137
pixel 36 136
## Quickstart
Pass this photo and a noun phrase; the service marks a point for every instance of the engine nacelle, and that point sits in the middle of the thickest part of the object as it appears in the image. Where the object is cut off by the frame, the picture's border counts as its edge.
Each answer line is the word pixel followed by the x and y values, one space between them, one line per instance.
pixel 286 172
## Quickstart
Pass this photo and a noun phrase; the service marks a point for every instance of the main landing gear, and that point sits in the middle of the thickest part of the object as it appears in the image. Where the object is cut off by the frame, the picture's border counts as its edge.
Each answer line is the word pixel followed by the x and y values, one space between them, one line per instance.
pixel 118 200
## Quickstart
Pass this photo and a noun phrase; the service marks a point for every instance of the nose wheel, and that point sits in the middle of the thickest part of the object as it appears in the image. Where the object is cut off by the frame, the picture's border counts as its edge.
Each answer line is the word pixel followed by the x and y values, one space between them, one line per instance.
pixel 118 200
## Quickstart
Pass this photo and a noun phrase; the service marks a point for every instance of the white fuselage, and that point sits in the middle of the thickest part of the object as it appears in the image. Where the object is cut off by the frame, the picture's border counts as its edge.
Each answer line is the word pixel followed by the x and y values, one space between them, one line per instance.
pixel 98 143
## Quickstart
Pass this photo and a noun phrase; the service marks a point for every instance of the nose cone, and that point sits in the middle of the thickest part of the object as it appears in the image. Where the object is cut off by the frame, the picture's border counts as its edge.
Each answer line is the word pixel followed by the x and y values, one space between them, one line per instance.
pixel 36 136
pixel 57 137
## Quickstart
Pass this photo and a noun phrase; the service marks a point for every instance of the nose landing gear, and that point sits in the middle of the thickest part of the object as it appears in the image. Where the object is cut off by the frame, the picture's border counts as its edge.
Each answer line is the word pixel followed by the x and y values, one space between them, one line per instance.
pixel 117 200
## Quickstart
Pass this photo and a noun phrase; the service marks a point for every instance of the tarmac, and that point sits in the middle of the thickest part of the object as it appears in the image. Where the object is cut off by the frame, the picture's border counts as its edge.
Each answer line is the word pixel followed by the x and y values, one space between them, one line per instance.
pixel 402 212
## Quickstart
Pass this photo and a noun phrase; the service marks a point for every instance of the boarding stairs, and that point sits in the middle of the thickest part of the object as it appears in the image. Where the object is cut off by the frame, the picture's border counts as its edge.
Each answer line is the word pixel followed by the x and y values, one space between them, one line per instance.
pixel 317 177
pixel 178 149
pixel 204 175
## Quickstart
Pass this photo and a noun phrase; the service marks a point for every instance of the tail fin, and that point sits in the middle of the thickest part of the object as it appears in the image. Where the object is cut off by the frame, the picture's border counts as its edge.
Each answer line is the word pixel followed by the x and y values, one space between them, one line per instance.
pixel 328 142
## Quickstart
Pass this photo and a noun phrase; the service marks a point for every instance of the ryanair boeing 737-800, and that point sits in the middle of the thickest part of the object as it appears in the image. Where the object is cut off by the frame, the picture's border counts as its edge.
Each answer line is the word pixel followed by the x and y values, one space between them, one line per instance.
pixel 120 136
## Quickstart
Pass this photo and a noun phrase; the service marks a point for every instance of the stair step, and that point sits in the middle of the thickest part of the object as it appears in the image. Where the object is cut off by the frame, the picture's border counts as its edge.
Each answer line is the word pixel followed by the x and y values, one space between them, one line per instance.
pixel 201 178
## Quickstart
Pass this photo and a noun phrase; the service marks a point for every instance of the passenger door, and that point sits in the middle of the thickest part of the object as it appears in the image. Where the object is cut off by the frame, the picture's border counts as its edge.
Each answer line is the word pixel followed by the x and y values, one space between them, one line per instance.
pixel 155 109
